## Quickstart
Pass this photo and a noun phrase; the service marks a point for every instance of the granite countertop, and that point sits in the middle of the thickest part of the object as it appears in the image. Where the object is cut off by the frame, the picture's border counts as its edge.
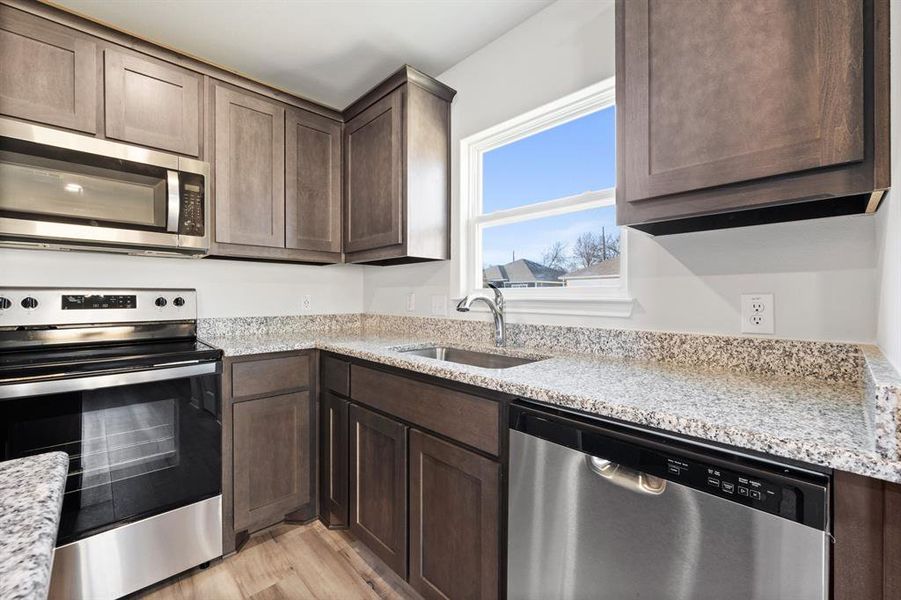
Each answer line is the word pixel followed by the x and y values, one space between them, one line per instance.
pixel 827 423
pixel 31 497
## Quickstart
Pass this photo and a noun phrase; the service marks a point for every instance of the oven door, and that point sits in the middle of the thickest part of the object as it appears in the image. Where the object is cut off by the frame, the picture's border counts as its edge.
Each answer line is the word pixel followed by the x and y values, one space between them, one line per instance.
pixel 140 443
pixel 61 188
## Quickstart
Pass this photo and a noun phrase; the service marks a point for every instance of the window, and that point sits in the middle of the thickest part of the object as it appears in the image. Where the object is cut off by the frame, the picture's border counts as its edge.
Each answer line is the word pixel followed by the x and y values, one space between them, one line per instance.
pixel 537 204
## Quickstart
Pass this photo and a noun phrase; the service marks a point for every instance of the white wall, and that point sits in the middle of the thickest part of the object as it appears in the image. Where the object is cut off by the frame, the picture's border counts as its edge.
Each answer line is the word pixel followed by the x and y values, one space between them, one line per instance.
pixel 225 288
pixel 823 273
pixel 889 216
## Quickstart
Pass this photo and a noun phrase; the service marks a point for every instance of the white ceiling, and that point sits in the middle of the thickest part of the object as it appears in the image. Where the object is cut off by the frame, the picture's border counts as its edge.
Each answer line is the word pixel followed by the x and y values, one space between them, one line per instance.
pixel 328 51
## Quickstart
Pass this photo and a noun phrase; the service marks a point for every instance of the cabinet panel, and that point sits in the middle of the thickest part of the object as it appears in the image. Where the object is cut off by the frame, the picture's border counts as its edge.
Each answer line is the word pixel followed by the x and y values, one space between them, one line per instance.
pixel 48 73
pixel 333 460
pixel 335 375
pixel 312 182
pixel 781 91
pixel 454 513
pixel 272 459
pixel 463 417
pixel 249 170
pixel 373 143
pixel 269 376
pixel 151 103
pixel 378 485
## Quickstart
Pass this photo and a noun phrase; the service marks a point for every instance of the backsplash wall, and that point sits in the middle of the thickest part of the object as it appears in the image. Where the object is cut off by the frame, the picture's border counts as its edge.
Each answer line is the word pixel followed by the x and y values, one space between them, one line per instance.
pixel 225 288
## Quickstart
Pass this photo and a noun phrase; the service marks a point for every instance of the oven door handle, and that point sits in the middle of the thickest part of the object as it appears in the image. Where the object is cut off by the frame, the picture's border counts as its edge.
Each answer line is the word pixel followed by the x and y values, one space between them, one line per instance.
pixel 93 382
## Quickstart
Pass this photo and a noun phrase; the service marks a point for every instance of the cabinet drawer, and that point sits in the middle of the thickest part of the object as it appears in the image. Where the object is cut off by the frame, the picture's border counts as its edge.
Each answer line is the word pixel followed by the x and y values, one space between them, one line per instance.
pixel 335 375
pixel 270 376
pixel 468 419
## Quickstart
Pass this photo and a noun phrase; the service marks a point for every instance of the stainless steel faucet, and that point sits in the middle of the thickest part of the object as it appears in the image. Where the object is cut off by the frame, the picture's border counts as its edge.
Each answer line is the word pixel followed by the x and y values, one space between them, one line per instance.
pixel 497 309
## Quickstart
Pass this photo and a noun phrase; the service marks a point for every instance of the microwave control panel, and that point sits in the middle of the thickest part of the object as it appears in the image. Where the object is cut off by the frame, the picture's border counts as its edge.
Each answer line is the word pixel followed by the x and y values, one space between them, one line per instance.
pixel 192 213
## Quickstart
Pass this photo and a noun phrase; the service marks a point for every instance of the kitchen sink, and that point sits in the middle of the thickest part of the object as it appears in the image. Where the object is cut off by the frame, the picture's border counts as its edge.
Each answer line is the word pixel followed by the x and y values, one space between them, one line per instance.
pixel 486 360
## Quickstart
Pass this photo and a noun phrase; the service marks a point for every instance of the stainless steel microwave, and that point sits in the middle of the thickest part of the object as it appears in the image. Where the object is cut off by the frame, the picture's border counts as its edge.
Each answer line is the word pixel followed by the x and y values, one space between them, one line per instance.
pixel 62 190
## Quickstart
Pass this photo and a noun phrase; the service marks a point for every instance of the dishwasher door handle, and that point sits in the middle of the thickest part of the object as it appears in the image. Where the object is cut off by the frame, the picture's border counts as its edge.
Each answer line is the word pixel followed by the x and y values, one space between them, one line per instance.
pixel 627 478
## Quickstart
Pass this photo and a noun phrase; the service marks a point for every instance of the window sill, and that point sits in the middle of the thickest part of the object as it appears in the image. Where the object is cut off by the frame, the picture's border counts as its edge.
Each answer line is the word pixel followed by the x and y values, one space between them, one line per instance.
pixel 573 304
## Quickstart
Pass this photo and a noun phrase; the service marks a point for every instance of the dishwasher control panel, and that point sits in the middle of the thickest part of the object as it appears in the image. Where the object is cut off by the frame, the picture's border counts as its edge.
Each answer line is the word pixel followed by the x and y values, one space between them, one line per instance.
pixel 752 489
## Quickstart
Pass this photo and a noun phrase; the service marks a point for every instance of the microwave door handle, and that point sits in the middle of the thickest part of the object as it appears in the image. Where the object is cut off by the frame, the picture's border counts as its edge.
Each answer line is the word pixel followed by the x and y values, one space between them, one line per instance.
pixel 174 202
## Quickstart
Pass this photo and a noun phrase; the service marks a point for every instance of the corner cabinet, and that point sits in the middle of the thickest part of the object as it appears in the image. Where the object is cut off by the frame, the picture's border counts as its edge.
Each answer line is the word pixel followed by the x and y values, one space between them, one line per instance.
pixel 276 180
pixel 397 172
pixel 788 119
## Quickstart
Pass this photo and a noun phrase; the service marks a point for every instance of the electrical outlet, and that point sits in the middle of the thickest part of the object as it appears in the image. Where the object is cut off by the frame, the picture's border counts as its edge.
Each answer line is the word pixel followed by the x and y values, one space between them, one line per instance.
pixel 306 302
pixel 439 305
pixel 411 302
pixel 757 313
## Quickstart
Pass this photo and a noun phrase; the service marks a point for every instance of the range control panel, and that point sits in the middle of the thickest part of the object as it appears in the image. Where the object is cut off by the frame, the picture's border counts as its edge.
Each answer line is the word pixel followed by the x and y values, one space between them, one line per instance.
pixel 42 307
pixel 98 301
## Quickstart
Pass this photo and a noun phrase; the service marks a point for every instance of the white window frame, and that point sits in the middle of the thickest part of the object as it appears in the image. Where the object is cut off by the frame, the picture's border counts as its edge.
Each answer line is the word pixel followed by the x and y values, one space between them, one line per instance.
pixel 611 297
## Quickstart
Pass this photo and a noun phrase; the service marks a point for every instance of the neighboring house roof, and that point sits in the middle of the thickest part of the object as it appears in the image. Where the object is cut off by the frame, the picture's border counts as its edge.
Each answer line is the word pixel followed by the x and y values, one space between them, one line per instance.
pixel 605 268
pixel 522 271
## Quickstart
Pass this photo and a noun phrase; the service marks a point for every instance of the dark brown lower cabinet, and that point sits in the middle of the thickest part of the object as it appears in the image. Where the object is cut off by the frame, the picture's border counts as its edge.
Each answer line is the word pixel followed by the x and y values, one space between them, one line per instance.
pixel 272 460
pixel 454 513
pixel 378 485
pixel 866 555
pixel 333 460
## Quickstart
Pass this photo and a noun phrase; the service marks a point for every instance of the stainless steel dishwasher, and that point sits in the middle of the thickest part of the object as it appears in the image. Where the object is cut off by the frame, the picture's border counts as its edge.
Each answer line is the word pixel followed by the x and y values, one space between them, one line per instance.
pixel 606 511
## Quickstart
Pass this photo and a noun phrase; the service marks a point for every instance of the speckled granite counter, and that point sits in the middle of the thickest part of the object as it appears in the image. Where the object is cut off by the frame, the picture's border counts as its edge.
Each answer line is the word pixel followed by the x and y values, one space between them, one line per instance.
pixel 833 421
pixel 31 497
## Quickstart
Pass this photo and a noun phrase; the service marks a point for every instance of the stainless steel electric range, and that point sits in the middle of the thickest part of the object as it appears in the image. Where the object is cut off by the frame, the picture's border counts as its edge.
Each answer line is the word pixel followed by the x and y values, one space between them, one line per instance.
pixel 117 379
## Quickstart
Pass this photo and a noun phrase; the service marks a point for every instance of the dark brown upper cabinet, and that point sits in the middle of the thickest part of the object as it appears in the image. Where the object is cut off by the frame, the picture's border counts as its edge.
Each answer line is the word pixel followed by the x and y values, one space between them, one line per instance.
pixel 48 73
pixel 737 113
pixel 454 521
pixel 378 485
pixel 277 180
pixel 312 182
pixel 249 172
pixel 151 103
pixel 397 171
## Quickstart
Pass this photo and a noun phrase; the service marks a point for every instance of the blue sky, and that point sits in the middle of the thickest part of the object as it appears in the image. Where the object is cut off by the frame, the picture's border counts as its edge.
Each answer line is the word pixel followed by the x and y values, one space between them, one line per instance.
pixel 572 158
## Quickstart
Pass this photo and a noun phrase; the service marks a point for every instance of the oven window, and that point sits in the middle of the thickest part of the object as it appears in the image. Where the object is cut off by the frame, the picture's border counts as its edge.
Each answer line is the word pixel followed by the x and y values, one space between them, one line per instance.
pixel 58 190
pixel 134 451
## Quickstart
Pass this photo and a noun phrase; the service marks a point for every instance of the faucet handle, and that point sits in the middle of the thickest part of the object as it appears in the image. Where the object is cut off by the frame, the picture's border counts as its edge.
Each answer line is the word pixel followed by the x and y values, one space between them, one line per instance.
pixel 498 296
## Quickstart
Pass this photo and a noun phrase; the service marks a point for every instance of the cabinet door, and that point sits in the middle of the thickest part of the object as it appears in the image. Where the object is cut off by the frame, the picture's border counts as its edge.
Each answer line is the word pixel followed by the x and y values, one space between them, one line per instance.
pixel 454 512
pixel 781 91
pixel 151 103
pixel 272 459
pixel 250 170
pixel 378 485
pixel 373 147
pixel 312 182
pixel 48 73
pixel 333 467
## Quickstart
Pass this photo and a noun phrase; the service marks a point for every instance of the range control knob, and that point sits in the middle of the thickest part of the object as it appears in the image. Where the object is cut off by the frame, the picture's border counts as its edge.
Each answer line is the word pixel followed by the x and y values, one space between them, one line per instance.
pixel 179 301
pixel 161 302
pixel 29 303
pixel 5 303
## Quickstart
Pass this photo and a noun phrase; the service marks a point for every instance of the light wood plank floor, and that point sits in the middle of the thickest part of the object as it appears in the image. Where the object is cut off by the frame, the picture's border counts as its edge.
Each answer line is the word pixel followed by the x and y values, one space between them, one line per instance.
pixel 289 562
